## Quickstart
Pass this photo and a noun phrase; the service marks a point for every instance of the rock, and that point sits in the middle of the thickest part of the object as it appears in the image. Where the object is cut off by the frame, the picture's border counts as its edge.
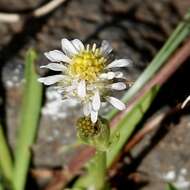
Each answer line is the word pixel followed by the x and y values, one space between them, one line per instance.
pixel 168 161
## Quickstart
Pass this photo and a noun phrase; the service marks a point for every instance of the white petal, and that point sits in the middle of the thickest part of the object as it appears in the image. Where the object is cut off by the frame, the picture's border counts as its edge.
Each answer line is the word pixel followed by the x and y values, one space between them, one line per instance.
pixel 57 56
pixel 81 89
pixel 78 44
pixel 119 74
pixel 55 67
pixel 108 75
pixel 112 75
pixel 60 90
pixel 94 116
pixel 75 83
pixel 117 86
pixel 87 108
pixel 119 63
pixel 69 88
pixel 94 47
pixel 105 48
pixel 68 47
pixel 96 101
pixel 116 103
pixel 51 79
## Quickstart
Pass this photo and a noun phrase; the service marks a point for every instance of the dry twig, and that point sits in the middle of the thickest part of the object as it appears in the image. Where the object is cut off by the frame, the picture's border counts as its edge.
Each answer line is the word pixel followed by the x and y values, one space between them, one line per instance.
pixel 71 170
pixel 39 12
pixel 185 102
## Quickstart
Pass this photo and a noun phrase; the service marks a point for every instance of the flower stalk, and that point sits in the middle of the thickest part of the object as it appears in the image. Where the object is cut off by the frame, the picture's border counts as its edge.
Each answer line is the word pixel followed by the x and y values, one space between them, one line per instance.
pixel 96 174
pixel 100 172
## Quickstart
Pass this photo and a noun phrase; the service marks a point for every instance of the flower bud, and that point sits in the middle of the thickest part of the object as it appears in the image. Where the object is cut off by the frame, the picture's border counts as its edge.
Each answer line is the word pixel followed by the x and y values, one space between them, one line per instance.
pixel 95 134
pixel 86 128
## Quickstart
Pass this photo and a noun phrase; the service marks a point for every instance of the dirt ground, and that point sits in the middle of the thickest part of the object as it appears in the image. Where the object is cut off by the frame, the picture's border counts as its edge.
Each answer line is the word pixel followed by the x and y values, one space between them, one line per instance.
pixel 136 29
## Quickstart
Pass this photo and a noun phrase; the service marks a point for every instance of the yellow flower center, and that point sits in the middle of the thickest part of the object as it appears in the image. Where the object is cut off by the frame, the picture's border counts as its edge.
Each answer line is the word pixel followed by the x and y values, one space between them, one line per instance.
pixel 87 65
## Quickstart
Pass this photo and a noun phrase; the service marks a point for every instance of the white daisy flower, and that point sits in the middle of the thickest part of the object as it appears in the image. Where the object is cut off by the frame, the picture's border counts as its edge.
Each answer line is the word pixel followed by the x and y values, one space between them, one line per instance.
pixel 86 75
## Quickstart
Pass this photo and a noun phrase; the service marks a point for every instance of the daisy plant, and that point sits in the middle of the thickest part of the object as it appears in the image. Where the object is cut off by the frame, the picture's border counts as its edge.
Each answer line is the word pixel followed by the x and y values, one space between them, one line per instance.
pixel 89 75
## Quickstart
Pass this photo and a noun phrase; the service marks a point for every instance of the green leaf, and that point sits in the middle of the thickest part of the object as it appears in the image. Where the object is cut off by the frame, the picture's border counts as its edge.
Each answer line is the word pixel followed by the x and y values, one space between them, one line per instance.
pixel 5 159
pixel 170 187
pixel 28 121
pixel 128 122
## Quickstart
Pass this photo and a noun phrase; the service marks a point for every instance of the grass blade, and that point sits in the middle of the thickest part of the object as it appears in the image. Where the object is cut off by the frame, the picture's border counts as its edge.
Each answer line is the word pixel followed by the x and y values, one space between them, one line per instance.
pixel 171 187
pixel 28 122
pixel 179 34
pixel 5 159
pixel 127 125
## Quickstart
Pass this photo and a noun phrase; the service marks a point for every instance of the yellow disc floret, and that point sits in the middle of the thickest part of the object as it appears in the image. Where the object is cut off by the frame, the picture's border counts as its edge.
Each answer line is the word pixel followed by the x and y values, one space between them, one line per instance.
pixel 86 128
pixel 87 65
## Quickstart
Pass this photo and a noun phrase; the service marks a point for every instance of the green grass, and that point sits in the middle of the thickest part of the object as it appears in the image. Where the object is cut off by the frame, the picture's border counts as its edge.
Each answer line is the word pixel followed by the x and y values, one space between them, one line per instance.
pixel 29 117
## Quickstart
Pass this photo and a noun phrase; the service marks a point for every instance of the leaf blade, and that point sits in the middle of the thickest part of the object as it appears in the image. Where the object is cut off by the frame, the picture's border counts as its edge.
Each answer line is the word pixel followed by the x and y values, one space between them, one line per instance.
pixel 6 165
pixel 129 121
pixel 28 122
pixel 171 187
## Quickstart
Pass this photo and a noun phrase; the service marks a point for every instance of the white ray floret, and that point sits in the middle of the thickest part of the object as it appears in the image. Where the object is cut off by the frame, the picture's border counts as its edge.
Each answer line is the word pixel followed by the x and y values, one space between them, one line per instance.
pixel 87 109
pixel 57 56
pixel 119 63
pixel 78 44
pixel 86 75
pixel 116 102
pixel 51 79
pixel 68 47
pixel 81 89
pixel 94 116
pixel 118 86
pixel 105 48
pixel 55 67
pixel 96 103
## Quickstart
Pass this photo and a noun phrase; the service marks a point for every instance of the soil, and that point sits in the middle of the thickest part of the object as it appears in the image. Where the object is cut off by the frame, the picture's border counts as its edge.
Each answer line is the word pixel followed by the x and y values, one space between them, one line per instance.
pixel 136 30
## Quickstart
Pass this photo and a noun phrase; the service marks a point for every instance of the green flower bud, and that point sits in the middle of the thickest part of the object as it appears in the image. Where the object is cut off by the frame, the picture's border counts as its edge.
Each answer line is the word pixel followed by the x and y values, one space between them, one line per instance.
pixel 95 134
pixel 86 128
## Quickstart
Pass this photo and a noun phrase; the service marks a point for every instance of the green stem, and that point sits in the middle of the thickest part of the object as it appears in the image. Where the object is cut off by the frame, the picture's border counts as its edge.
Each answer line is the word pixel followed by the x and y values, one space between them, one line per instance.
pixel 100 172
pixel 5 159
pixel 1 187
pixel 170 187
pixel 96 174
pixel 179 34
